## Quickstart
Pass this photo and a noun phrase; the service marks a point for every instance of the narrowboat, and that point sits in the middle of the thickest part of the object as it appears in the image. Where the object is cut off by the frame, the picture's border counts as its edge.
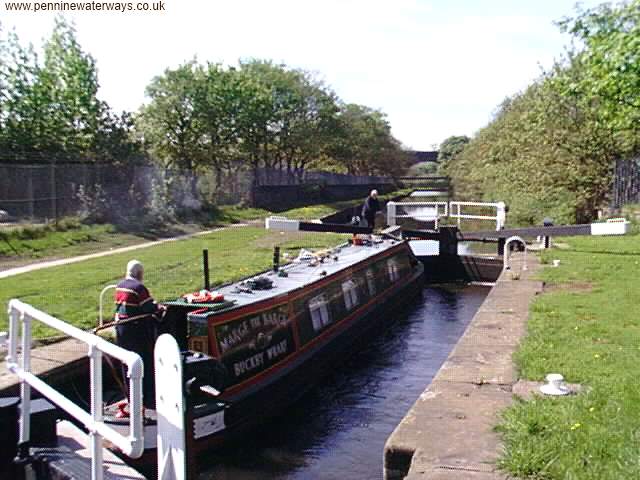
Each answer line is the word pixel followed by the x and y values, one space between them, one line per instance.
pixel 259 344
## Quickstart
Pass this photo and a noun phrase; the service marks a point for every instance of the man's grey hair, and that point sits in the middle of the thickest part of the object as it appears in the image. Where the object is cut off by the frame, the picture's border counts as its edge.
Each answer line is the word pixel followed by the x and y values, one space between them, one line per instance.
pixel 373 192
pixel 134 269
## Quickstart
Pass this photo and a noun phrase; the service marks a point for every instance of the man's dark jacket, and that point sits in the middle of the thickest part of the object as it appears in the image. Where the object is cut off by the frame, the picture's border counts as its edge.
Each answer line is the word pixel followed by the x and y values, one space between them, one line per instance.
pixel 369 209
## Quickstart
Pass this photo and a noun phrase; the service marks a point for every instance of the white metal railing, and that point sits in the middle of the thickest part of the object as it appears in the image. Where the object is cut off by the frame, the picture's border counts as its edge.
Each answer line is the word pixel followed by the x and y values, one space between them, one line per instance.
pixel 500 216
pixel 21 315
pixel 435 214
pixel 101 303
pixel 449 209
pixel 507 250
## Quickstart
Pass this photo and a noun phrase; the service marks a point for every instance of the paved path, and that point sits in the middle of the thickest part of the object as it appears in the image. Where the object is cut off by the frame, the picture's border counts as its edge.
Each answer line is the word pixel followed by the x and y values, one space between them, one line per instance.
pixel 448 433
pixel 66 261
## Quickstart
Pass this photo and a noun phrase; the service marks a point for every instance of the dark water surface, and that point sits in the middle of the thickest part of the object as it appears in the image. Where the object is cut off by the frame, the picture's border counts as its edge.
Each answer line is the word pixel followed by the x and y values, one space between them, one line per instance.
pixel 338 430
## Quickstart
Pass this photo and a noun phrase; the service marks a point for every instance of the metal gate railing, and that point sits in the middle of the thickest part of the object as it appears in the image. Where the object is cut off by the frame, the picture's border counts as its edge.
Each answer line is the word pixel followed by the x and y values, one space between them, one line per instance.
pixel 20 318
pixel 438 210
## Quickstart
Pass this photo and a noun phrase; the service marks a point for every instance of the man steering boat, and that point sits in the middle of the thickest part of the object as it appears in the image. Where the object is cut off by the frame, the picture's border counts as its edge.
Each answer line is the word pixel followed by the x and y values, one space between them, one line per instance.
pixel 137 317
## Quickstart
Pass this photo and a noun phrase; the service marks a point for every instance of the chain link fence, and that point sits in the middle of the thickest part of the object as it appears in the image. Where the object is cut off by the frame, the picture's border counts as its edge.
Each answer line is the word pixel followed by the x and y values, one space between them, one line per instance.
pixel 50 191
pixel 626 183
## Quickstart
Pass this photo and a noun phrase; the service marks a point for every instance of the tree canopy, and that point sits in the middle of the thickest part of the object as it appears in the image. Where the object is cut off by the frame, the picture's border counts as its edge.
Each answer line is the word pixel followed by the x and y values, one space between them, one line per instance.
pixel 549 150
pixel 262 114
pixel 49 104
pixel 256 115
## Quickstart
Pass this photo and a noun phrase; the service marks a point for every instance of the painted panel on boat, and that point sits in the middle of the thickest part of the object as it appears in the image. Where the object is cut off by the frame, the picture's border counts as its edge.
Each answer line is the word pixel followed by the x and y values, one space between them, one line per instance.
pixel 323 307
pixel 251 344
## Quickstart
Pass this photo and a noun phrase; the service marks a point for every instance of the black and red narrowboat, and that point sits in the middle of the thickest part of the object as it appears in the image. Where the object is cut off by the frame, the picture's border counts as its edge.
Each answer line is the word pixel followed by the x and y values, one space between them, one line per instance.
pixel 269 338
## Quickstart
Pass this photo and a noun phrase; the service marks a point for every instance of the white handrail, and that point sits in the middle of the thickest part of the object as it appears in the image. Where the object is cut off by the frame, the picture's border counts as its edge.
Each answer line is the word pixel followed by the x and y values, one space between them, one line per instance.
pixel 131 445
pixel 505 255
pixel 451 210
pixel 104 290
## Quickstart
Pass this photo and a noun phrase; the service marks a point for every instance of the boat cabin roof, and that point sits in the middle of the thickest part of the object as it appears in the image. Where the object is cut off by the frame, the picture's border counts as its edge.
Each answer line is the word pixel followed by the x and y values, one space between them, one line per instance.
pixel 303 273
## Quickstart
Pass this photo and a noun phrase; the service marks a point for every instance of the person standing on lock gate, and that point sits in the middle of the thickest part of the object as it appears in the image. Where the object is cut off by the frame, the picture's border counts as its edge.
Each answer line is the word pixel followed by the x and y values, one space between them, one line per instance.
pixel 370 208
pixel 137 316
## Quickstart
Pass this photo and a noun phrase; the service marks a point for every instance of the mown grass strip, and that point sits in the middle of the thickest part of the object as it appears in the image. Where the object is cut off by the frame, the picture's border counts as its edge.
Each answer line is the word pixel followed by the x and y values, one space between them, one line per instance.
pixel 70 237
pixel 587 327
pixel 70 292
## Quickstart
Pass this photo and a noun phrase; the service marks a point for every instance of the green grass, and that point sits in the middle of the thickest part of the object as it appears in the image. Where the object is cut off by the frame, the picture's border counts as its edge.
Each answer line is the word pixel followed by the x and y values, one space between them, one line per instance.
pixel 586 327
pixel 21 244
pixel 52 241
pixel 70 292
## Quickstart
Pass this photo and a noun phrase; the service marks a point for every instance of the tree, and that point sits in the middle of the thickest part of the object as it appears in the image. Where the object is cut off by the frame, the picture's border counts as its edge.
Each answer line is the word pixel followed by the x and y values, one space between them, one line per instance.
pixel 610 65
pixel 292 117
pixel 450 148
pixel 363 144
pixel 168 124
pixel 50 108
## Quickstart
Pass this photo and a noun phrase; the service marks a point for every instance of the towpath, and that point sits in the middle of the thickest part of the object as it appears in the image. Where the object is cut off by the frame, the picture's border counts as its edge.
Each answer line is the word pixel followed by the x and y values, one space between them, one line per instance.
pixel 81 258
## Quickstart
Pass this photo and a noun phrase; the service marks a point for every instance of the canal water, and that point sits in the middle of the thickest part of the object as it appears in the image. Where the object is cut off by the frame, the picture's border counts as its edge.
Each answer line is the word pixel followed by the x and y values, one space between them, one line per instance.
pixel 338 429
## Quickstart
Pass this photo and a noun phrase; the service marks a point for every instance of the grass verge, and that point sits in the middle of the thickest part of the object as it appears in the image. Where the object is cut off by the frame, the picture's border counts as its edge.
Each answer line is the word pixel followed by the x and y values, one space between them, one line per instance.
pixel 70 292
pixel 20 244
pixel 586 327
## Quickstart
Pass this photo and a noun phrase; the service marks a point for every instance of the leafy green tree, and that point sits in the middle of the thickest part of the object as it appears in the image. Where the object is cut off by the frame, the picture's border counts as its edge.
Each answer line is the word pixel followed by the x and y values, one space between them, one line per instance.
pixel 68 87
pixel 49 105
pixel 549 151
pixel 451 147
pixel 363 143
pixel 610 65
pixel 292 117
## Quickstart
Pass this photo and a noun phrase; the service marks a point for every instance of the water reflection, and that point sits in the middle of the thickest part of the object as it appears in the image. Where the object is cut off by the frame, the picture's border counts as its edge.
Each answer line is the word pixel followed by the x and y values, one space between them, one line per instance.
pixel 339 428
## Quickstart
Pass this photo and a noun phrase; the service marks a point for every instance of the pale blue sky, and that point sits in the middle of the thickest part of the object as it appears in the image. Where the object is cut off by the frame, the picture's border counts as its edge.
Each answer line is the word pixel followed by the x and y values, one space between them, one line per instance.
pixel 436 67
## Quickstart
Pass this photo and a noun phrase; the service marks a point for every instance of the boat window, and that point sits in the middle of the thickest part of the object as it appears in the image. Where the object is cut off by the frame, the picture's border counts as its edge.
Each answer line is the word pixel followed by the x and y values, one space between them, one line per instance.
pixel 392 270
pixel 350 293
pixel 319 310
pixel 371 282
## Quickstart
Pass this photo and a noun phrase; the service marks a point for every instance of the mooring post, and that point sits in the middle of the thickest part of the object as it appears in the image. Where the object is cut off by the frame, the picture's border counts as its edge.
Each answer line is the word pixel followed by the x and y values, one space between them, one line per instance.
pixel 276 259
pixel 501 246
pixel 547 222
pixel 205 266
pixel 448 239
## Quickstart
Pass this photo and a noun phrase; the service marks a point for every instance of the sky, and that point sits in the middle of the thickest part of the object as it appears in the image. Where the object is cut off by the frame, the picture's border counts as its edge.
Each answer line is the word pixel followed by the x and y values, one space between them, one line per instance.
pixel 435 67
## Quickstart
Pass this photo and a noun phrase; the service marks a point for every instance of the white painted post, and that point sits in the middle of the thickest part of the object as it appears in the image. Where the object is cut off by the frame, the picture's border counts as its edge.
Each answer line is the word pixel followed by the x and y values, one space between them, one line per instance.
pixel 501 215
pixel 391 214
pixel 170 409
pixel 25 388
pixel 95 439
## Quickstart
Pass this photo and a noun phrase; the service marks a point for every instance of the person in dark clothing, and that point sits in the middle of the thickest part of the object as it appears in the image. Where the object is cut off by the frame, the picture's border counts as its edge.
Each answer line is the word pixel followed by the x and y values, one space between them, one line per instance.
pixel 137 316
pixel 370 207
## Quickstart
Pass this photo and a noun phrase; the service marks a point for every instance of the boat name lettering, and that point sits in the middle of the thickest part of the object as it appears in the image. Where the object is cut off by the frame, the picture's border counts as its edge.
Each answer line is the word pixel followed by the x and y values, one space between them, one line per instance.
pixel 237 335
pixel 248 364
pixel 277 350
pixel 276 318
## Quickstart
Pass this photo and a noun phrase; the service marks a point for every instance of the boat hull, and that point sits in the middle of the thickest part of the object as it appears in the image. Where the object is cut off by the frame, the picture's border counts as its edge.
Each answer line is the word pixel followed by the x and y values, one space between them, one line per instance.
pixel 246 412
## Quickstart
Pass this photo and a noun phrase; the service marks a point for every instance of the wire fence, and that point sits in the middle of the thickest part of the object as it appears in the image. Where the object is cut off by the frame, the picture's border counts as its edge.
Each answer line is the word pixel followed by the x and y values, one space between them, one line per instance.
pixel 626 182
pixel 50 191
